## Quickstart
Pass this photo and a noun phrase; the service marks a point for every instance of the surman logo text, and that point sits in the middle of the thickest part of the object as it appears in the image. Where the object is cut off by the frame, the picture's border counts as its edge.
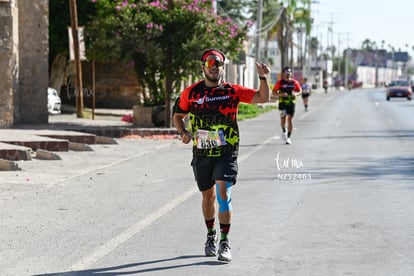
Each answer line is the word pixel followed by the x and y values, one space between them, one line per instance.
pixel 212 99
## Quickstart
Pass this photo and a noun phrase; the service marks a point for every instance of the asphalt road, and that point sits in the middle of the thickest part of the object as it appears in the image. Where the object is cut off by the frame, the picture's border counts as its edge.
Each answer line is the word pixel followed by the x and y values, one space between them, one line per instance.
pixel 338 201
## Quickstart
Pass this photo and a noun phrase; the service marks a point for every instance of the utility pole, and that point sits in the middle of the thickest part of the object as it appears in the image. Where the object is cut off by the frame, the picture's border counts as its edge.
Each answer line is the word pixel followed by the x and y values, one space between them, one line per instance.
pixel 339 51
pixel 346 67
pixel 339 54
pixel 329 35
pixel 78 65
pixel 258 31
pixel 169 69
pixel 347 62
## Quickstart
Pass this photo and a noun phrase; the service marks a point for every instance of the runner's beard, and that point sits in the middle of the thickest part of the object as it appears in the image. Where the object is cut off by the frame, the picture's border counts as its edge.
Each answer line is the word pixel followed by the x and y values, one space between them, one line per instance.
pixel 213 78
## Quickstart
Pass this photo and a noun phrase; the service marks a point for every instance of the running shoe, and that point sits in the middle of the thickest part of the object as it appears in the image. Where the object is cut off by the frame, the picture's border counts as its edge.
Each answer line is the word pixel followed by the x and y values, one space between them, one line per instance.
pixel 224 253
pixel 288 141
pixel 285 136
pixel 211 245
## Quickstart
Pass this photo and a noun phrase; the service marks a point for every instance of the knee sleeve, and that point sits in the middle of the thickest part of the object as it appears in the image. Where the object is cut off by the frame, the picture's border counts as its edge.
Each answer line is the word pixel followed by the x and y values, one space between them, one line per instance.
pixel 224 205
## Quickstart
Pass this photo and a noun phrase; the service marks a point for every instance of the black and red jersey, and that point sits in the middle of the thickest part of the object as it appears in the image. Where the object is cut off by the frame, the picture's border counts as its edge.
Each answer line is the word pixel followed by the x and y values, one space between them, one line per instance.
pixel 287 86
pixel 213 116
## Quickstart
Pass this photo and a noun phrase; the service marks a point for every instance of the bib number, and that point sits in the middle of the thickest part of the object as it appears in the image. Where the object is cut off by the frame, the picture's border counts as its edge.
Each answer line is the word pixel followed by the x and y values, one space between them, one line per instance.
pixel 209 139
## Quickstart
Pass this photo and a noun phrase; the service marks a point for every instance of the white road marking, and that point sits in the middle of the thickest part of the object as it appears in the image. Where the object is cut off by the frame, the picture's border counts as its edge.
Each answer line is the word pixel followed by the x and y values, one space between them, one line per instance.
pixel 110 245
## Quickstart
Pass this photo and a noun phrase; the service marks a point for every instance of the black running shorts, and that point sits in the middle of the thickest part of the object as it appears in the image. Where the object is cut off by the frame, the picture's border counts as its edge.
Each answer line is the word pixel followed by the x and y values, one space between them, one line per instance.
pixel 209 169
pixel 287 109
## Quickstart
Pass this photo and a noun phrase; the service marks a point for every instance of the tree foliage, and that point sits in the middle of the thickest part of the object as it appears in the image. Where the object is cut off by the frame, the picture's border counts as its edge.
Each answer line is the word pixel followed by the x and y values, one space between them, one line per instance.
pixel 238 10
pixel 149 34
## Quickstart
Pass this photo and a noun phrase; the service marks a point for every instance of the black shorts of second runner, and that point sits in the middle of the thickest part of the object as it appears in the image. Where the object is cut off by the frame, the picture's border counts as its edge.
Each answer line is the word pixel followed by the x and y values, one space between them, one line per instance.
pixel 209 169
pixel 287 109
pixel 305 95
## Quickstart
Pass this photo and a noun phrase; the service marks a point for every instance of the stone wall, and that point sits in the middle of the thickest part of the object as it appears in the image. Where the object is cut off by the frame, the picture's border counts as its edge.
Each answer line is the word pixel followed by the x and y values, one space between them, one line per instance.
pixel 116 85
pixel 33 62
pixel 23 61
pixel 8 61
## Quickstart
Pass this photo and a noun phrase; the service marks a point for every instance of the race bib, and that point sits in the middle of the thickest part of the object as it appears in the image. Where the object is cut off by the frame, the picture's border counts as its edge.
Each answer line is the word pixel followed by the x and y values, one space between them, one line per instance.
pixel 209 139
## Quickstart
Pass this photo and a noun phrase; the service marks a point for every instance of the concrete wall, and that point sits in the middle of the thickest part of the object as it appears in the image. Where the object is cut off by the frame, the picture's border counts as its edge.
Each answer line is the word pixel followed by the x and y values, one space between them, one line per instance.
pixel 23 61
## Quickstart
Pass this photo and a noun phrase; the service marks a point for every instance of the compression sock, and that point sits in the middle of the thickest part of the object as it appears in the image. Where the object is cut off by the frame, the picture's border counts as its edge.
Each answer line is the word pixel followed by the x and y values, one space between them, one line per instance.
pixel 224 230
pixel 289 133
pixel 283 129
pixel 210 226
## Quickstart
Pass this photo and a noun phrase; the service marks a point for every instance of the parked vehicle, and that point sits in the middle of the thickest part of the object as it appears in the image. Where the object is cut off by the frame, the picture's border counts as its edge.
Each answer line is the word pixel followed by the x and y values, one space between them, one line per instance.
pixel 54 102
pixel 352 84
pixel 399 89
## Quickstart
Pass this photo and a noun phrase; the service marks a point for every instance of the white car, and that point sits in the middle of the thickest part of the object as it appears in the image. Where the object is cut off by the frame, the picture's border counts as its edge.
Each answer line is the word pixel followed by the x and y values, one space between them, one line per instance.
pixel 53 101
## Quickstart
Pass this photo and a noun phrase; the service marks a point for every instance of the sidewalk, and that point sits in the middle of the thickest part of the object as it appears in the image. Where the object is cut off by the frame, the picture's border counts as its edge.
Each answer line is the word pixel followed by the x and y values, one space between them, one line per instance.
pixel 66 132
pixel 106 123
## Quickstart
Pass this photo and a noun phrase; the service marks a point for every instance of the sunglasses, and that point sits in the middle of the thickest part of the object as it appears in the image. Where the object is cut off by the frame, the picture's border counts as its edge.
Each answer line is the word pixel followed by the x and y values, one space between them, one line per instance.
pixel 288 71
pixel 213 62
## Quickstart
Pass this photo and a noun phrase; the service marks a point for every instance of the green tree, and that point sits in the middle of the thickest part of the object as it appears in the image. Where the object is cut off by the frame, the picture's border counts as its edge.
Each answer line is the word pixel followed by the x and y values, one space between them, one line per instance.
pixel 313 46
pixel 367 44
pixel 238 10
pixel 160 35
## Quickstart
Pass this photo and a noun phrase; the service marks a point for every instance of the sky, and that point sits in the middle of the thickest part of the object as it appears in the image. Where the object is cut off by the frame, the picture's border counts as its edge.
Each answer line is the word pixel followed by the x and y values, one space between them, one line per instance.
pixel 354 21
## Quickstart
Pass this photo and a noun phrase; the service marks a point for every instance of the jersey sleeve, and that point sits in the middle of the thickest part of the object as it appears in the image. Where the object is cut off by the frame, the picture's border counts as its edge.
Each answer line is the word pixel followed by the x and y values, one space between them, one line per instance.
pixel 182 104
pixel 245 94
pixel 297 86
pixel 276 87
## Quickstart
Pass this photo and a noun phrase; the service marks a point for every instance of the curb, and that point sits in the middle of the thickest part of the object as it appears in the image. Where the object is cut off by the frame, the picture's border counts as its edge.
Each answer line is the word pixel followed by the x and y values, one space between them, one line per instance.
pixel 6 165
pixel 46 155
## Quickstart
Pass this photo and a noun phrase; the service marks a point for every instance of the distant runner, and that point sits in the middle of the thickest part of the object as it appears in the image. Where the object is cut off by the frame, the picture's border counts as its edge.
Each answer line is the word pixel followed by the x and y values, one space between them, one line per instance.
pixel 285 89
pixel 306 91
